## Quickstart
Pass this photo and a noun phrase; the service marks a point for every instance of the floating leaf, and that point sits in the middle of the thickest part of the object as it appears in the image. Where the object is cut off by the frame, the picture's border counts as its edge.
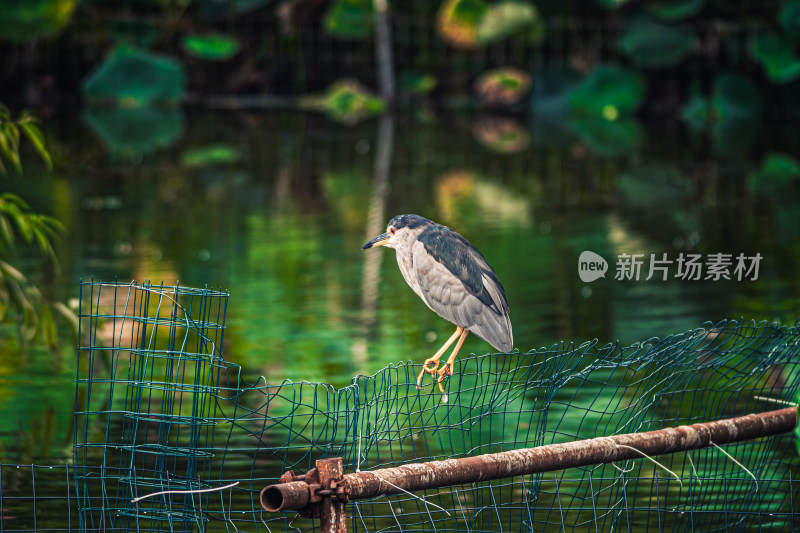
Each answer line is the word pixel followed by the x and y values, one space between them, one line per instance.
pixel 351 19
pixel 212 47
pixel 457 21
pixel 675 9
pixel 736 107
pixel 133 78
pixel 777 170
pixel 24 20
pixel 650 44
pixel 608 91
pixel 126 132
pixel 413 83
pixel 504 19
pixel 502 135
pixel 608 137
pixel 612 4
pixel 345 101
pixel 736 98
pixel 595 109
pixel 503 86
pixel 735 101
pixel 215 154
pixel 789 18
pixel 219 9
pixel 776 55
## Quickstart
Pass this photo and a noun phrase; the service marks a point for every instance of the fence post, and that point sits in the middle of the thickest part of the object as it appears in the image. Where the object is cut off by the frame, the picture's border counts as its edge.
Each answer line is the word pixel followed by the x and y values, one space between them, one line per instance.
pixel 334 512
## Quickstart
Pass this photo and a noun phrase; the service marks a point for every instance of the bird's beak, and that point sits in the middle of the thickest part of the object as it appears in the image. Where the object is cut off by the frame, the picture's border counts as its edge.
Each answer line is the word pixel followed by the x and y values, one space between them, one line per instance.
pixel 380 240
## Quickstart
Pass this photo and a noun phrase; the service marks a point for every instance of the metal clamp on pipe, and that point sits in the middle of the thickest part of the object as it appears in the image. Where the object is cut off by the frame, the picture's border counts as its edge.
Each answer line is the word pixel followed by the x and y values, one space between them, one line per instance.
pixel 320 493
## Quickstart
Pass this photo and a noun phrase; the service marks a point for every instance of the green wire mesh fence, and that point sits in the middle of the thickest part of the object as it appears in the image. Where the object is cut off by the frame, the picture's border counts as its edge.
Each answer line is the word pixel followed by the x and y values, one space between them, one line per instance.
pixel 159 409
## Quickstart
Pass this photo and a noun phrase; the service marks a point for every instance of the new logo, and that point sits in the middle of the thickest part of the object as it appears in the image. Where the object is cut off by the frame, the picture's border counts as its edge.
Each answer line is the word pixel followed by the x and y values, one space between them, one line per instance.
pixel 591 266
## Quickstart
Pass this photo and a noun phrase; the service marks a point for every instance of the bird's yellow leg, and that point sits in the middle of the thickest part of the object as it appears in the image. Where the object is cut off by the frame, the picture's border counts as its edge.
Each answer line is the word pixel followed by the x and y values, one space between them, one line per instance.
pixel 431 363
pixel 447 368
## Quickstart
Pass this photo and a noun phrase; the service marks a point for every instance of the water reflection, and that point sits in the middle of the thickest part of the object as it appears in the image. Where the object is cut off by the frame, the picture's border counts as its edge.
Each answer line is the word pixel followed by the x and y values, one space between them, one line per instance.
pixel 375 222
pixel 281 226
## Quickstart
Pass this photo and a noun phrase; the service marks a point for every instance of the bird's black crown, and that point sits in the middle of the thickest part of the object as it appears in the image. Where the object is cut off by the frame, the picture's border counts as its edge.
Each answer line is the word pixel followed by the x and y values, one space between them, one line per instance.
pixel 409 221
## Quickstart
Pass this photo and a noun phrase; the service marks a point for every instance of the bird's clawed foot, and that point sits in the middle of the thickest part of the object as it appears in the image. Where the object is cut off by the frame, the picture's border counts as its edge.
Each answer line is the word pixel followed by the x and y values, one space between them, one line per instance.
pixel 431 366
pixel 445 370
pixel 428 367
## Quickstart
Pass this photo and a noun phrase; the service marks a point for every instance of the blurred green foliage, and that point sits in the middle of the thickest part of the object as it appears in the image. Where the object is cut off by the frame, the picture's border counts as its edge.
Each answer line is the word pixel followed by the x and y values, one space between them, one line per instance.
pixel 214 47
pixel 132 77
pixel 672 10
pixel 126 132
pixel 503 19
pixel 20 299
pixel 148 56
pixel 474 23
pixel 457 21
pixel 612 4
pixel 503 86
pixel 351 19
pixel 345 101
pixel 416 83
pixel 223 9
pixel 776 54
pixel 10 137
pixel 23 20
pixel 210 155
pixel 651 44
pixel 608 92
pixel 777 170
pixel 790 18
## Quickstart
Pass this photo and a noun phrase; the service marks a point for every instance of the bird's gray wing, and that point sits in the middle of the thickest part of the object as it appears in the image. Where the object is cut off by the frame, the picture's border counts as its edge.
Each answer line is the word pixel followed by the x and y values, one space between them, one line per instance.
pixel 459 285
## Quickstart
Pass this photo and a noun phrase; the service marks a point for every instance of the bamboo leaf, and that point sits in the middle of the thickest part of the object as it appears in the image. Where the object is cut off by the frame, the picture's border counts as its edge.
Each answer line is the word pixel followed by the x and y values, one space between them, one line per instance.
pixel 53 225
pixel 13 134
pixel 9 270
pixel 22 222
pixel 6 235
pixel 43 242
pixel 8 149
pixel 15 200
pixel 36 138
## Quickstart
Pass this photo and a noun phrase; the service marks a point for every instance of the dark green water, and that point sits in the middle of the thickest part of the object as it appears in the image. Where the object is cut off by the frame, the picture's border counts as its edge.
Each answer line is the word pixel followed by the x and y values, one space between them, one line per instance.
pixel 275 207
pixel 280 225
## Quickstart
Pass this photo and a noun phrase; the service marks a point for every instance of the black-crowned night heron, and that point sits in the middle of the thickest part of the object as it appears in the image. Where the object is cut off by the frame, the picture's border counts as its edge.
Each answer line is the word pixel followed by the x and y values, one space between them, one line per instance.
pixel 454 280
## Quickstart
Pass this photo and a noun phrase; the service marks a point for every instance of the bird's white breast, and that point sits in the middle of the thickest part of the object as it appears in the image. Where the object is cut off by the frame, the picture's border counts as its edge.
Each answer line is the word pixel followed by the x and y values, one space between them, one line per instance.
pixel 405 261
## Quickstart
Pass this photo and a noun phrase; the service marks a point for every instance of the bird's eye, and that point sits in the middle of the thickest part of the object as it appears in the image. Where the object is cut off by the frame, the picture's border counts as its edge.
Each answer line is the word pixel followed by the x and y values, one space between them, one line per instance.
pixel 392 231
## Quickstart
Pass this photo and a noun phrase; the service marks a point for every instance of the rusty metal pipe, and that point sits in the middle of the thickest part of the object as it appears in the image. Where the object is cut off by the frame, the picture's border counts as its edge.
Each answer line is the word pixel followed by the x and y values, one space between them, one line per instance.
pixel 434 474
pixel 293 495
